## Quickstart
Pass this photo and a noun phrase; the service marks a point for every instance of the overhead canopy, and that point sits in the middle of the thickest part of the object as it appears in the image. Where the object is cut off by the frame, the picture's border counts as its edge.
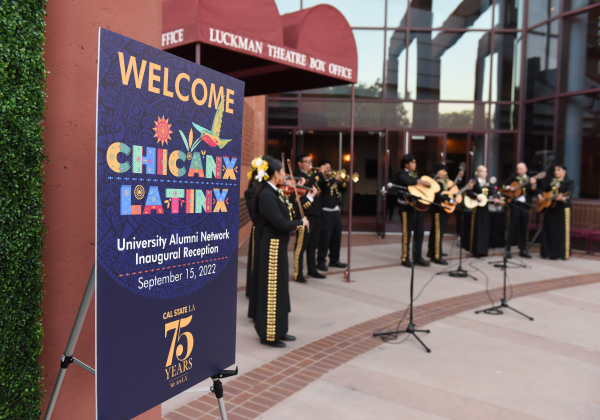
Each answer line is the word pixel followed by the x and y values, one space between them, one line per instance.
pixel 249 40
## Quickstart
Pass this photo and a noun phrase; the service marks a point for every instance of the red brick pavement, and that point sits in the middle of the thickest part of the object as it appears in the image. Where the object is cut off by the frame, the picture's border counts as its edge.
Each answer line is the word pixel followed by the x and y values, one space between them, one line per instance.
pixel 249 395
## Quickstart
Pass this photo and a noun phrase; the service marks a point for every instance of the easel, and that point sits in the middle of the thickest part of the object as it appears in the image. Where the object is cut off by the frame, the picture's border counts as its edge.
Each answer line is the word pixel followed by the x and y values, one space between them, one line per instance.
pixel 68 358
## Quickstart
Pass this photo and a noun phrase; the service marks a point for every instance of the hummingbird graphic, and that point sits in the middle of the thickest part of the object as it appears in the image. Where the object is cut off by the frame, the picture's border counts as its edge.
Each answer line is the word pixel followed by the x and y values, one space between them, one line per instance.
pixel 211 137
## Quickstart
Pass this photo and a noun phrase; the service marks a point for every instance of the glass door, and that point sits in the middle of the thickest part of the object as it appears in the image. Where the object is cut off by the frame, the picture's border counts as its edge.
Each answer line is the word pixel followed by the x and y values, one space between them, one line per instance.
pixel 388 212
pixel 477 145
pixel 428 149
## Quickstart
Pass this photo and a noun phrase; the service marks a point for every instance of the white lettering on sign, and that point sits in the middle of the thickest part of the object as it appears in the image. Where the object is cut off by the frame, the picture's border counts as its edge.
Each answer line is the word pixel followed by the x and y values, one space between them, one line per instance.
pixel 287 55
pixel 239 42
pixel 235 41
pixel 173 37
pixel 317 64
pixel 336 70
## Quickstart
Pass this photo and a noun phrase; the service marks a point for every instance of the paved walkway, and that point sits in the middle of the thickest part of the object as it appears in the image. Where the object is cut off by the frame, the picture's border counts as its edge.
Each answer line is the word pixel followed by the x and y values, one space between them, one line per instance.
pixel 481 366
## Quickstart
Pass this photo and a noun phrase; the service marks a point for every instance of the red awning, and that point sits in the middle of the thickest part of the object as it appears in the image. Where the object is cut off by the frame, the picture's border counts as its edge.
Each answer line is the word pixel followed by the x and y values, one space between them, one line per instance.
pixel 249 40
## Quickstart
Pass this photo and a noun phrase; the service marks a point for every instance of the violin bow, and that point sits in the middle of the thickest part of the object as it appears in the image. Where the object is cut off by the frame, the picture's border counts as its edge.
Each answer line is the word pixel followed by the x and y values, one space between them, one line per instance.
pixel 289 164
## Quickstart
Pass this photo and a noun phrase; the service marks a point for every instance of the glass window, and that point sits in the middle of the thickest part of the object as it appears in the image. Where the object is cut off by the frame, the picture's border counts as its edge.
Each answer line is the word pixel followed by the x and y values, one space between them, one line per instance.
pixel 279 141
pixel 538 139
pixel 325 113
pixel 450 116
pixel 504 117
pixel 503 155
pixel 356 12
pixel 541 10
pixel 369 46
pixel 395 76
pixel 508 14
pixel 342 91
pixel 396 13
pixel 287 6
pixel 576 4
pixel 473 14
pixel 448 65
pixel 368 114
pixel 284 95
pixel 398 115
pixel 579 131
pixel 283 113
pixel 506 69
pixel 581 51
pixel 542 44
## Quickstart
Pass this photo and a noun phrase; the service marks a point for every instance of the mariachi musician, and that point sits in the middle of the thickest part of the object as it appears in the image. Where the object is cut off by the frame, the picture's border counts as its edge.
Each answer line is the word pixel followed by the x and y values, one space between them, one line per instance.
pixel 255 235
pixel 479 241
pixel 312 205
pixel 439 217
pixel 331 232
pixel 556 238
pixel 406 177
pixel 273 211
pixel 519 209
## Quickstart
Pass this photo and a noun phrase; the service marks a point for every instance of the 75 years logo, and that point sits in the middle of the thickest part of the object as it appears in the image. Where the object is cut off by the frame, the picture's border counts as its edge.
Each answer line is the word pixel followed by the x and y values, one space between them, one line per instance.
pixel 182 344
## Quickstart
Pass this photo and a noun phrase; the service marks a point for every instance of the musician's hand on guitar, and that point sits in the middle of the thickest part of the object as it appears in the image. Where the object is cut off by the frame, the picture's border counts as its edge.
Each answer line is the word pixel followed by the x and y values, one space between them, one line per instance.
pixel 512 189
pixel 479 198
pixel 461 174
pixel 533 181
pixel 423 183
pixel 560 198
pixel 313 192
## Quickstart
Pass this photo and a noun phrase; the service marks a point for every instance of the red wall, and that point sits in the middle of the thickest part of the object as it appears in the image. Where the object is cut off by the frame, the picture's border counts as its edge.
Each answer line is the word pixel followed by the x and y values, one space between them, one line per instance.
pixel 69 130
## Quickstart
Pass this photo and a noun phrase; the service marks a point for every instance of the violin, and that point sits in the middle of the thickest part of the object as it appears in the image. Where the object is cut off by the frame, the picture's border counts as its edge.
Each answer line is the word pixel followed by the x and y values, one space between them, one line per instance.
pixel 288 189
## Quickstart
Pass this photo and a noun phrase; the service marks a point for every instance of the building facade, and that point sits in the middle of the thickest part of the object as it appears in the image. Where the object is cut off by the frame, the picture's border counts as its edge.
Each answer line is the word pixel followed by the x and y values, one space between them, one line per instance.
pixel 488 82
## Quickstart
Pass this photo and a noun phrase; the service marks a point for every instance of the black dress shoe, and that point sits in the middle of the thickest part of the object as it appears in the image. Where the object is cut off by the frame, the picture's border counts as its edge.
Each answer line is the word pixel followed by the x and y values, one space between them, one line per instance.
pixel 287 337
pixel 524 254
pixel 407 263
pixel 444 254
pixel 301 279
pixel 422 262
pixel 322 267
pixel 508 255
pixel 441 261
pixel 276 343
pixel 317 275
pixel 338 264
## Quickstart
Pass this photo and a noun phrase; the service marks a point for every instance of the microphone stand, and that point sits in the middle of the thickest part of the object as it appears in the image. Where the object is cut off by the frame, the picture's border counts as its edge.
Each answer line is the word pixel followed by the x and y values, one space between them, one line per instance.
pixel 459 272
pixel 411 325
pixel 504 262
pixel 497 309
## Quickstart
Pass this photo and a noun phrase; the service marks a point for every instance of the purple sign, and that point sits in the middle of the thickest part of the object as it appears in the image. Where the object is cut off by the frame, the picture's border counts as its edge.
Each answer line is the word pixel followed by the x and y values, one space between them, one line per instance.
pixel 168 151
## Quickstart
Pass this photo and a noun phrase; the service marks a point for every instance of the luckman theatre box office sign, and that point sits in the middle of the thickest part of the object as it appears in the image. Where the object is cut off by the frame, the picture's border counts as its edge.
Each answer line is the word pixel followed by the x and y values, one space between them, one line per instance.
pixel 169 141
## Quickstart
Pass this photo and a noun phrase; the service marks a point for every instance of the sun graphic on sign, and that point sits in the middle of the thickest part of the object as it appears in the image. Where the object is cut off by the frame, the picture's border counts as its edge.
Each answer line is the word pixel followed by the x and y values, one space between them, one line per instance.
pixel 162 130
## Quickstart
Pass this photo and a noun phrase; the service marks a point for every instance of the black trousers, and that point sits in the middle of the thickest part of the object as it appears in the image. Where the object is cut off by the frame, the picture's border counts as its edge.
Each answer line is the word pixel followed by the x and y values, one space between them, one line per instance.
pixel 410 215
pixel 331 237
pixel 309 245
pixel 439 220
pixel 519 225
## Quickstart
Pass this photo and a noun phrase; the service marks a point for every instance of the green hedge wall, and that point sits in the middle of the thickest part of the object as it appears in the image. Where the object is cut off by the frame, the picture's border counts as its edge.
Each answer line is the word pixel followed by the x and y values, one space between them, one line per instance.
pixel 22 99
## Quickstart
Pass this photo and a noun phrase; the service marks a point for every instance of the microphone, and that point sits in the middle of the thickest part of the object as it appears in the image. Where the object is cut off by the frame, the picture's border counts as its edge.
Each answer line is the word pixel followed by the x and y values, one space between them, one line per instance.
pixel 400 187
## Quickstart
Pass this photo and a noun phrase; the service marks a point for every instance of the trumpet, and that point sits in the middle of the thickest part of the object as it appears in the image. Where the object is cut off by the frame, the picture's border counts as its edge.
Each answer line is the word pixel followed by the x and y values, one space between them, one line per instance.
pixel 343 174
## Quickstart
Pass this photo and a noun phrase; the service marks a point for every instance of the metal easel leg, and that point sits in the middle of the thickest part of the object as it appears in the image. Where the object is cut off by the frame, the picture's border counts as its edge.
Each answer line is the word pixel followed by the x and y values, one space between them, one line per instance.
pixel 67 357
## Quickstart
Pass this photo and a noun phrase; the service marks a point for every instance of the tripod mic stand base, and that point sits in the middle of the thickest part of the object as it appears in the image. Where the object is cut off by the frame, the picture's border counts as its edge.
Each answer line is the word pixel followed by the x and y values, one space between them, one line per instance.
pixel 459 273
pixel 497 310
pixel 409 330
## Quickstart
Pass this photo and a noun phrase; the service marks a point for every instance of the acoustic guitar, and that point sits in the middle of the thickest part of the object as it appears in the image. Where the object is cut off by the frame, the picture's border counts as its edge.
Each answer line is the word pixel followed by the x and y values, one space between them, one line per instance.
pixel 518 188
pixel 455 195
pixel 471 203
pixel 548 198
pixel 425 194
